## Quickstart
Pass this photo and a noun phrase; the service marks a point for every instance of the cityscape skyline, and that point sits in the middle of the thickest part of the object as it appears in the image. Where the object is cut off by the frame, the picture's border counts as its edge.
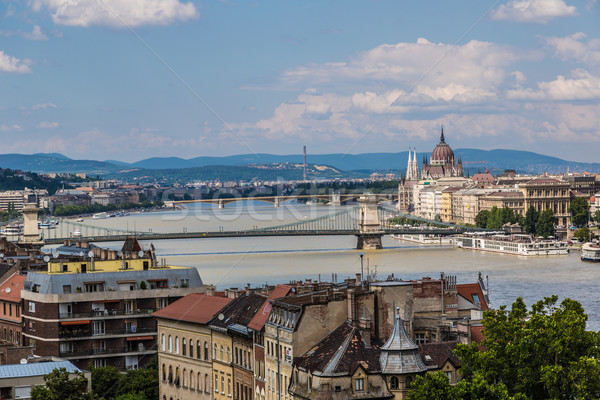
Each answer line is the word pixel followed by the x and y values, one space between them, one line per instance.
pixel 116 80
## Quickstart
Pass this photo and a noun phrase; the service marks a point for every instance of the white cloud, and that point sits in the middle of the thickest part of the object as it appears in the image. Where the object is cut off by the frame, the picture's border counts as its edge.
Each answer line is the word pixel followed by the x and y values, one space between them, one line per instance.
pixel 35 34
pixel 473 66
pixel 43 106
pixel 116 13
pixel 582 86
pixel 13 65
pixel 9 128
pixel 536 11
pixel 48 125
pixel 575 47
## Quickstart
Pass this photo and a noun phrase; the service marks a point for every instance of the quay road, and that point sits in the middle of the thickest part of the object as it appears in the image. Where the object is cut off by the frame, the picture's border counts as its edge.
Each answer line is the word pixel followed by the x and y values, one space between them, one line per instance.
pixel 249 233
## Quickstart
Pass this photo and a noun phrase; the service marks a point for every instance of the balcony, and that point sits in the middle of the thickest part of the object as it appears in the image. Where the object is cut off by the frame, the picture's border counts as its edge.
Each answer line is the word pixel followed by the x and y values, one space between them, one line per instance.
pixel 108 351
pixel 108 313
pixel 89 332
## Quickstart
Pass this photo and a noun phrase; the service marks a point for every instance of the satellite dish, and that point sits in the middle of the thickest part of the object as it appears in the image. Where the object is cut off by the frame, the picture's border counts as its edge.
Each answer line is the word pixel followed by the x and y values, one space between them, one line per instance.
pixel 8 290
pixel 55 255
pixel 90 254
pixel 46 258
pixel 141 253
pixel 1 255
pixel 81 254
pixel 221 317
pixel 23 361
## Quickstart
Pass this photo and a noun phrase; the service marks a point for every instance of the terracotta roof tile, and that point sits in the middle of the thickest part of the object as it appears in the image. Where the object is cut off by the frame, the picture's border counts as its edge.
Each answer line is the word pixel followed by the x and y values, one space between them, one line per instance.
pixel 11 288
pixel 195 307
pixel 467 290
pixel 258 322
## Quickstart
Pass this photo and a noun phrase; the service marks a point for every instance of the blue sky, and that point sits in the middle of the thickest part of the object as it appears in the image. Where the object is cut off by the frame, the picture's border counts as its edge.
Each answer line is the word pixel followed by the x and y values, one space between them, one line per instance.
pixel 131 79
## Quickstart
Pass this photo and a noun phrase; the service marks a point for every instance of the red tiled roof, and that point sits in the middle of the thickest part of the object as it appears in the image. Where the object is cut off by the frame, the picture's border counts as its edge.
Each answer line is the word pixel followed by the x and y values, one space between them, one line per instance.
pixel 483 177
pixel 10 290
pixel 195 307
pixel 258 322
pixel 467 290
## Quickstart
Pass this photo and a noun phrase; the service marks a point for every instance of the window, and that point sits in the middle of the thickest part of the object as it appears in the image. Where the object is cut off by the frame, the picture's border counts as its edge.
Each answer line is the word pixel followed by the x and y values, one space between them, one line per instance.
pixel 98 328
pixel 191 383
pixel 205 350
pixel 162 342
pixel 359 384
pixel 164 371
pixel 17 311
pixel 420 338
pixel 448 375
pixel 394 383
pixel 221 353
pixel 206 387
pixel 66 289
pixel 229 387
pixel 94 287
pixel 161 303
pixel 176 344
pixel 10 310
pixel 31 306
pixel 170 344
pixel 184 344
pixel 216 383
pixel 191 348
pixel 408 381
pixel 222 385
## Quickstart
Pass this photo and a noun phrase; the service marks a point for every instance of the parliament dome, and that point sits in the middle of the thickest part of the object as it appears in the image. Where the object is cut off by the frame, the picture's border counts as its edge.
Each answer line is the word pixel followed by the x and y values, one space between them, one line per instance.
pixel 442 152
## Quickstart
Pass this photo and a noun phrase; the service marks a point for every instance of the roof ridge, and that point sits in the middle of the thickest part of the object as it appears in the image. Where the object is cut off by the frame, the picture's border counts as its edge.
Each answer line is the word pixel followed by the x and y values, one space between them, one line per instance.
pixel 339 354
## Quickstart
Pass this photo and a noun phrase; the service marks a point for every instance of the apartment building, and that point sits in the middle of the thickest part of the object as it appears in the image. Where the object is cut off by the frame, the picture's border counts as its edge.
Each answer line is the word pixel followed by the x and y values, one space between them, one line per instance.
pixel 10 309
pixel 100 312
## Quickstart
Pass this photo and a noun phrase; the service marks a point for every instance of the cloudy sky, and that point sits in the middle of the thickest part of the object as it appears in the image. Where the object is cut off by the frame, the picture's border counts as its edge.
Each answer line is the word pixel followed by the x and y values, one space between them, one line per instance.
pixel 131 79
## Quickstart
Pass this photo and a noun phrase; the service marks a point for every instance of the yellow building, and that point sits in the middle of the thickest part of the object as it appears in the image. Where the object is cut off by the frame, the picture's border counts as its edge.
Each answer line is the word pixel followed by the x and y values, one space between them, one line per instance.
pixel 185 347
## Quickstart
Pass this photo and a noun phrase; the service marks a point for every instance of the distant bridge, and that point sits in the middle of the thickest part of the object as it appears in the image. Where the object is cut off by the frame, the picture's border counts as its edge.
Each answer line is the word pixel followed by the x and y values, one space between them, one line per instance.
pixel 368 221
pixel 333 199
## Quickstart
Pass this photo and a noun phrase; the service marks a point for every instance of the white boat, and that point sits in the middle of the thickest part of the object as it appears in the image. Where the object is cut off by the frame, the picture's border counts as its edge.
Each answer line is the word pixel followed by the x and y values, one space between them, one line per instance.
pixel 590 252
pixel 11 230
pixel 521 245
pixel 100 215
pixel 76 233
pixel 425 238
pixel 79 219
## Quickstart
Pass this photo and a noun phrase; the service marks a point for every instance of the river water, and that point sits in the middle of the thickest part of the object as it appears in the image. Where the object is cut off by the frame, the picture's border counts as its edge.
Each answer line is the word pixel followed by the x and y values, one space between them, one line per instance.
pixel 235 262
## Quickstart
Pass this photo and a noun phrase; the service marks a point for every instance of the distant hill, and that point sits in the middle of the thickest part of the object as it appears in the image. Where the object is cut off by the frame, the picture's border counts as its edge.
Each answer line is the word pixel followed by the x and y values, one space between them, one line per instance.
pixel 474 159
pixel 268 172
pixel 58 163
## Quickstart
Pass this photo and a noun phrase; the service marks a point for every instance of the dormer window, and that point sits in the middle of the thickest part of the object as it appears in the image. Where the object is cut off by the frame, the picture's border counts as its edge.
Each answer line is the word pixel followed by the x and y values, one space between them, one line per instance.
pixel 359 384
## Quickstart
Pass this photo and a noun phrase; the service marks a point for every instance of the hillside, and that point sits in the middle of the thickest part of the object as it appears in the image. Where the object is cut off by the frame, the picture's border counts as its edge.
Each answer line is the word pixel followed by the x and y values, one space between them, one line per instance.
pixel 354 164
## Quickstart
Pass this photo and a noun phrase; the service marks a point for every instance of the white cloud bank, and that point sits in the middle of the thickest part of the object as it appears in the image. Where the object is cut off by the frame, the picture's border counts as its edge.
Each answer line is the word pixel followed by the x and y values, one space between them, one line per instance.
pixel 48 125
pixel 581 86
pixel 533 11
pixel 575 48
pixel 116 13
pixel 13 65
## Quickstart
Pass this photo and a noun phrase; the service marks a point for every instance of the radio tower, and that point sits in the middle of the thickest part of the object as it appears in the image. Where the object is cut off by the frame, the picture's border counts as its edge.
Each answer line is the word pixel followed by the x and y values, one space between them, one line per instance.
pixel 305 163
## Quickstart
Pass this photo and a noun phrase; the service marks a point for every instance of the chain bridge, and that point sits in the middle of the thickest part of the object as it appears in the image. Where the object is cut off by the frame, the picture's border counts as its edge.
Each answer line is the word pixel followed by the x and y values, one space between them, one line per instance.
pixel 368 221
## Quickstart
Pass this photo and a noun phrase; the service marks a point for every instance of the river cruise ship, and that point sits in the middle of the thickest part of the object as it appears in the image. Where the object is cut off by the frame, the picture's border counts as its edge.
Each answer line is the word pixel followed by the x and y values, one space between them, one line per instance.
pixel 100 215
pixel 521 245
pixel 590 252
pixel 425 239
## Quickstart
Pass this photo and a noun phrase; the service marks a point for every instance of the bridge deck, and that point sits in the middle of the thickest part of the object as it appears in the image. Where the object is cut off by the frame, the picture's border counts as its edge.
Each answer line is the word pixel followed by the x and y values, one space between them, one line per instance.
pixel 227 234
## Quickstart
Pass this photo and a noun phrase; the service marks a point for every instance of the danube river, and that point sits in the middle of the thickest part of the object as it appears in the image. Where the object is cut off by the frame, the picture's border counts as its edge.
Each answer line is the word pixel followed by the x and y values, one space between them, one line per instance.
pixel 235 262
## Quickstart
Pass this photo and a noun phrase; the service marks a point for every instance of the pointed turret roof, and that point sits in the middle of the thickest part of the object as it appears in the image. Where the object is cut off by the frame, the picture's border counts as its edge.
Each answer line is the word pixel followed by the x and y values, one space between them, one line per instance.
pixel 442 139
pixel 400 355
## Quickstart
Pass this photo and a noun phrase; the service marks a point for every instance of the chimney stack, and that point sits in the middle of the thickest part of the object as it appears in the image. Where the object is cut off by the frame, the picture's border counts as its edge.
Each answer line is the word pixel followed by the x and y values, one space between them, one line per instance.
pixel 351 299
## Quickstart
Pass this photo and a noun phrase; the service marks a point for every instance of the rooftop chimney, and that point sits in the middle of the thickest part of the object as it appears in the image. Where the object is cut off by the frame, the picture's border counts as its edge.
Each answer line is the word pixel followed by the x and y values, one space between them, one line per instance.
pixel 351 297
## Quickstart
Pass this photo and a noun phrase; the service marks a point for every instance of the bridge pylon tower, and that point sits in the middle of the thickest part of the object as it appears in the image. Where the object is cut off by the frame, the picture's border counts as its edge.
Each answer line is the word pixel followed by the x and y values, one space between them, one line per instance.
pixel 369 226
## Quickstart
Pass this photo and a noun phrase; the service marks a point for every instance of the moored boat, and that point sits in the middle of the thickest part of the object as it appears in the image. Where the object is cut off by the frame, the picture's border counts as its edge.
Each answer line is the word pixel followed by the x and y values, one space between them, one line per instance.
pixel 425 239
pixel 590 252
pixel 517 244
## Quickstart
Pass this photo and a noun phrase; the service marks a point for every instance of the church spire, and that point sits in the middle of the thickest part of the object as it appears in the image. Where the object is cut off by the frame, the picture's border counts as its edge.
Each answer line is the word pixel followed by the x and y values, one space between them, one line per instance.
pixel 442 139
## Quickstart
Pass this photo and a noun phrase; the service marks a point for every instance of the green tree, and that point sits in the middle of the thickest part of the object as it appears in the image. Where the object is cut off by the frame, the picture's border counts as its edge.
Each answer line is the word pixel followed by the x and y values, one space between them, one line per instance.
pixel 58 386
pixel 142 381
pixel 132 396
pixel 597 216
pixel 482 218
pixel 437 387
pixel 495 219
pixel 580 211
pixel 104 381
pixel 545 224
pixel 541 354
pixel 531 218
pixel 583 234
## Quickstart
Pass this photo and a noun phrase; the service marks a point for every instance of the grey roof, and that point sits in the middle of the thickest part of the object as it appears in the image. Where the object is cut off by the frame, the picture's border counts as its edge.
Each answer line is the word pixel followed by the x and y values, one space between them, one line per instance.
pixel 53 283
pixel 400 355
pixel 35 369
